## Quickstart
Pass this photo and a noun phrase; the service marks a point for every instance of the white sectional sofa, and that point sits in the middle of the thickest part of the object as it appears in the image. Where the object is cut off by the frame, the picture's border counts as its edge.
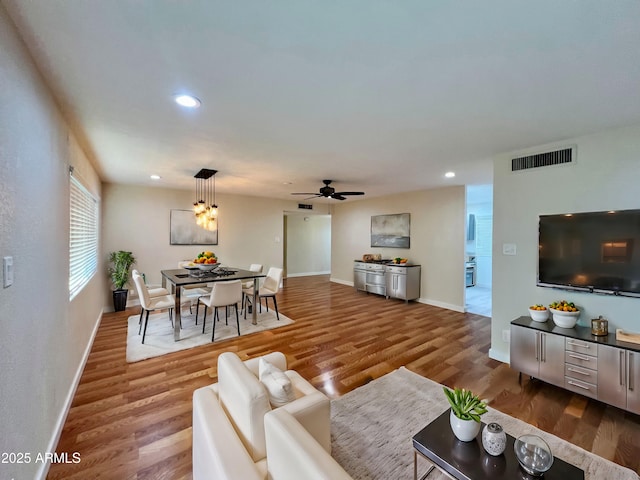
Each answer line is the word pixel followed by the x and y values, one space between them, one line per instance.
pixel 237 435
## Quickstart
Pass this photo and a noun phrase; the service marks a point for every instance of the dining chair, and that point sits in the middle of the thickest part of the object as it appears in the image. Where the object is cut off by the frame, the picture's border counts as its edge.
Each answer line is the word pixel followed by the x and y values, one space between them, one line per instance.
pixel 223 294
pixel 150 304
pixel 191 293
pixel 255 268
pixel 269 289
pixel 153 292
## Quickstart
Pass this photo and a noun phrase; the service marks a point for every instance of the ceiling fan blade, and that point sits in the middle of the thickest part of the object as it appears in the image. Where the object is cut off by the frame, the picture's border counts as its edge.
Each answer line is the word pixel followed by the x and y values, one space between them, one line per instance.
pixel 306 193
pixel 349 193
pixel 337 196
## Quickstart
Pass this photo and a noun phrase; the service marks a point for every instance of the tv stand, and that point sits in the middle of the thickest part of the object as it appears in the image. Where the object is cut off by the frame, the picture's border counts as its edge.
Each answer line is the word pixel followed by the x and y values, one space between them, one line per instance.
pixel 601 368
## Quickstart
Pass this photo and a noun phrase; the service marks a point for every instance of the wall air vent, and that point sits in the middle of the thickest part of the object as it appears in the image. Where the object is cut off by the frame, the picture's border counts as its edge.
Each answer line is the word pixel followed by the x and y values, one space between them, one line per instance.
pixel 547 159
pixel 305 206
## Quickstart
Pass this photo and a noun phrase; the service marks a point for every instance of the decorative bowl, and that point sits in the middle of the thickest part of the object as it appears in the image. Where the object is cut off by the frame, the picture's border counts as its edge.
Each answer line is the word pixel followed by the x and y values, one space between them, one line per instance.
pixel 208 266
pixel 539 315
pixel 565 319
pixel 533 454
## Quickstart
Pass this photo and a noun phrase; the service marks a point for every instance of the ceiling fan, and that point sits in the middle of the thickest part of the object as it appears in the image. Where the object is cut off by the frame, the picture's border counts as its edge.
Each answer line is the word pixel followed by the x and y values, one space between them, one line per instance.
pixel 330 192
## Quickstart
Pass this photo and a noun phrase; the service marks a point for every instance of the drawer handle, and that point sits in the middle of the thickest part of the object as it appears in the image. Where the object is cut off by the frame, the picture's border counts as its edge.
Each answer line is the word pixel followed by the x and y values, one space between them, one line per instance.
pixel 578 385
pixel 578 371
pixel 576 344
pixel 630 372
pixel 580 357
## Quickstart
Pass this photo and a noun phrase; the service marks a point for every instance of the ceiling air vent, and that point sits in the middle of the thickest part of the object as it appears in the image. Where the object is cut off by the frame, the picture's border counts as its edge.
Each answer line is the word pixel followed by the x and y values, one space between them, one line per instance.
pixel 557 157
pixel 305 206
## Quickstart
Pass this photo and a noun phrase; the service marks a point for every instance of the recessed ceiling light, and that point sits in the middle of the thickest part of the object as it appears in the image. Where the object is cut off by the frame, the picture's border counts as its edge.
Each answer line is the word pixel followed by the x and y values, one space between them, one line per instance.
pixel 188 101
pixel 155 177
pixel 450 174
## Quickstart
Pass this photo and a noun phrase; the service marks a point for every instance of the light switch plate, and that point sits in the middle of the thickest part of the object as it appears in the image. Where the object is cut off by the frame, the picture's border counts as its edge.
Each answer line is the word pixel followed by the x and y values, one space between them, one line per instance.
pixel 508 248
pixel 7 271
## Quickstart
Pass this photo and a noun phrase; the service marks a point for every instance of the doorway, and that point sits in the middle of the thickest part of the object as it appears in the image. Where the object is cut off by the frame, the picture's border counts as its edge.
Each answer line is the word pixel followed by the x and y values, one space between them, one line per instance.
pixel 307 244
pixel 478 249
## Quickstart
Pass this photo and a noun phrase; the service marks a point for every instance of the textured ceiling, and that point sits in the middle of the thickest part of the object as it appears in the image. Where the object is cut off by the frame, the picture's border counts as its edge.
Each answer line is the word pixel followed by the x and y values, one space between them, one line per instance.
pixel 380 96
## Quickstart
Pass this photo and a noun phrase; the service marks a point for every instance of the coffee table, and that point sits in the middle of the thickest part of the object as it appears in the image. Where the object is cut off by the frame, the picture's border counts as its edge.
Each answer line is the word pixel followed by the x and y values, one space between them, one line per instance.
pixel 469 461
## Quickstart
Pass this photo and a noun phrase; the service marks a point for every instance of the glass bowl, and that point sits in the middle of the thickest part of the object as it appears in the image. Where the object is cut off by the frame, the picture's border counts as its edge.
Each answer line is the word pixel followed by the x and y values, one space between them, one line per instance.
pixel 533 454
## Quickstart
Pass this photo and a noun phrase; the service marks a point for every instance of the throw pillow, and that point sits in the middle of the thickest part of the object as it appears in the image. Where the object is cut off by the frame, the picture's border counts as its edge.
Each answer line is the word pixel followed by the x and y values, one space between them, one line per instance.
pixel 276 382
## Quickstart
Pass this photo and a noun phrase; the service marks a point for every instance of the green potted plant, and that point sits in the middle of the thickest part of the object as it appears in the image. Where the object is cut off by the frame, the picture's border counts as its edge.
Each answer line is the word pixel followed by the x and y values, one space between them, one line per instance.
pixel 466 409
pixel 121 262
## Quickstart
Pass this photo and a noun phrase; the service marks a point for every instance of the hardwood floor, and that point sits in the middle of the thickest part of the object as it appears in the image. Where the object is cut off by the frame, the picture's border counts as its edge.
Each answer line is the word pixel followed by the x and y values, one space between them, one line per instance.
pixel 133 421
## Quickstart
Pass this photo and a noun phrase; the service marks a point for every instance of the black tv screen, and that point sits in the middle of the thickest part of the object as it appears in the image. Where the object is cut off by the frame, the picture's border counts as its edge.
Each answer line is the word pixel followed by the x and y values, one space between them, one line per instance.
pixel 597 251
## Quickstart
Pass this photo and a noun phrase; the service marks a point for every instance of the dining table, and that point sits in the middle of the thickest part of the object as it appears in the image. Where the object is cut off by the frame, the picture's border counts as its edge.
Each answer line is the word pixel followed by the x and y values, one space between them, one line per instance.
pixel 181 277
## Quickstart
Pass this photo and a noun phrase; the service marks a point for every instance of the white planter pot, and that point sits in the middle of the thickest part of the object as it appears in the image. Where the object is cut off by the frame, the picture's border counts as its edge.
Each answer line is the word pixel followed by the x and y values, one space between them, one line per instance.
pixel 464 430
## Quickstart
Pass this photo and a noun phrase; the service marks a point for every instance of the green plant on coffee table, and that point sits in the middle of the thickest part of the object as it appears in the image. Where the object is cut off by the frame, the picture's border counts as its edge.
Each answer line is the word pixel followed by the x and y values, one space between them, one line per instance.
pixel 464 404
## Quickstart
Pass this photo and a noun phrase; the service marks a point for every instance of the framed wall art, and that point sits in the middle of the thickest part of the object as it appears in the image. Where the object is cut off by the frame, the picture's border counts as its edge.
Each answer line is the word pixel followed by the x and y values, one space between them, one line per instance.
pixel 184 230
pixel 391 230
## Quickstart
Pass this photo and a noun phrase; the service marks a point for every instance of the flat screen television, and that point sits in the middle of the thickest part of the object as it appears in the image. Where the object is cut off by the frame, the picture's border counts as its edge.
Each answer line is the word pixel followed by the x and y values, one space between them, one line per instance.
pixel 597 252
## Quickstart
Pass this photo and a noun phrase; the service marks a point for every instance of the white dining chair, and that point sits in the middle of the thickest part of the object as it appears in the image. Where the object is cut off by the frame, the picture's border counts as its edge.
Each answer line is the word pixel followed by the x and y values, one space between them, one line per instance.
pixel 190 293
pixel 269 289
pixel 223 294
pixel 150 304
pixel 255 268
pixel 153 292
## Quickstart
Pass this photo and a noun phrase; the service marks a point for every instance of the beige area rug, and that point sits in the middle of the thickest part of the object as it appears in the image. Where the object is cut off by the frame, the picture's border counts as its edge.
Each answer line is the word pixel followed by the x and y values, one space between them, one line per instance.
pixel 372 429
pixel 159 338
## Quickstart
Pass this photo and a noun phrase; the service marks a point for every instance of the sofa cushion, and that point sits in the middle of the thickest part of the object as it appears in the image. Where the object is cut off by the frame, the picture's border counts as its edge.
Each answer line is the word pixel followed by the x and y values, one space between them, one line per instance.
pixel 245 400
pixel 293 454
pixel 217 450
pixel 277 384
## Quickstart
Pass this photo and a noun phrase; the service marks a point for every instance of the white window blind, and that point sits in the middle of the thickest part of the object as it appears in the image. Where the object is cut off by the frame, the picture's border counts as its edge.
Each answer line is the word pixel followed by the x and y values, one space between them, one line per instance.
pixel 83 237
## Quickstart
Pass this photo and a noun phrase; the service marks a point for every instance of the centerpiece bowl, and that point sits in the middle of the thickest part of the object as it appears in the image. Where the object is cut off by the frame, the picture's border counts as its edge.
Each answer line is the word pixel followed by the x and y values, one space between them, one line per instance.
pixel 533 454
pixel 565 319
pixel 208 266
pixel 539 315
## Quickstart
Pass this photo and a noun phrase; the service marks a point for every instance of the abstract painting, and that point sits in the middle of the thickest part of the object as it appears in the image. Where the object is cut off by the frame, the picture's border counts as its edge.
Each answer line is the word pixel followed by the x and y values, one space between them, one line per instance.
pixel 185 231
pixel 391 230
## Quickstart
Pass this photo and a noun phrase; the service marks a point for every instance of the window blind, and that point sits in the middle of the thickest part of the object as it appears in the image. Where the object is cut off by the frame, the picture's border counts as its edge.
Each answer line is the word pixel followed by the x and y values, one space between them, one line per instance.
pixel 83 237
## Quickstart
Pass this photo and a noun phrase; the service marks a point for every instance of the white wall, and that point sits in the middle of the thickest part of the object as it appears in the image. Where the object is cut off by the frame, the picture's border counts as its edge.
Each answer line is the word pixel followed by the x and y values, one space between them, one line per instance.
pixel 605 176
pixel 43 336
pixel 136 219
pixel 308 244
pixel 437 240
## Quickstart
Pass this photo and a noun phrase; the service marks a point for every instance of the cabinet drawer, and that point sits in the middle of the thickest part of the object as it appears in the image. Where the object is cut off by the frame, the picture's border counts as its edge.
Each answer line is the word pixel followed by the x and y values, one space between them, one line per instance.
pixel 374 266
pixel 580 373
pixel 373 288
pixel 581 346
pixel 581 360
pixel 584 388
pixel 400 270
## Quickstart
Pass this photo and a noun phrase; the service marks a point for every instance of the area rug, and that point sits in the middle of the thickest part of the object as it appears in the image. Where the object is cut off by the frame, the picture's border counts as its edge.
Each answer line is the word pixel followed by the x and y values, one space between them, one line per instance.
pixel 159 338
pixel 372 428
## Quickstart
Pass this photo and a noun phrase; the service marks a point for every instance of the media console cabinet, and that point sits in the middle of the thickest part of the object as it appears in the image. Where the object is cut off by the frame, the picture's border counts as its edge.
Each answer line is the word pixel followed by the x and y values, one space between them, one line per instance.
pixel 598 367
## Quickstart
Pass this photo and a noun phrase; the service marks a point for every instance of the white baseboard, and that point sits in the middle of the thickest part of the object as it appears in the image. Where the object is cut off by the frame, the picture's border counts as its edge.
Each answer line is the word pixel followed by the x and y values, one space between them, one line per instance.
pixel 500 356
pixel 435 303
pixel 341 282
pixel 57 432
pixel 306 274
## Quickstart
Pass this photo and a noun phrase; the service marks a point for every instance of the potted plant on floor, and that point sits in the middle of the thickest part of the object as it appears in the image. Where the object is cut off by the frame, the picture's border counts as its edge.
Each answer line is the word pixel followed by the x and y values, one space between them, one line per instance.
pixel 466 409
pixel 121 262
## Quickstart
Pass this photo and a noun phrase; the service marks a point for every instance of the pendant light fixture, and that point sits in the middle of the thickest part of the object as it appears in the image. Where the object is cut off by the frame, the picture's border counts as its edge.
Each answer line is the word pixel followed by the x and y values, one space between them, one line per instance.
pixel 204 207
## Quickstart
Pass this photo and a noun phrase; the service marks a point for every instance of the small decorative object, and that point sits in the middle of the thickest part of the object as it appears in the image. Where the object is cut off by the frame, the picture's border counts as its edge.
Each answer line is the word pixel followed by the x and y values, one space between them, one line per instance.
pixel 466 409
pixel 599 327
pixel 533 454
pixel 494 440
